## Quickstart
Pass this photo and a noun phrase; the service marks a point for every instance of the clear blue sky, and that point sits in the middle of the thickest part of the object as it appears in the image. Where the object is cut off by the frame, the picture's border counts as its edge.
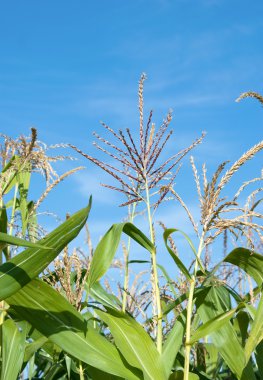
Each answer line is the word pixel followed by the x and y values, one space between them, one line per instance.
pixel 65 65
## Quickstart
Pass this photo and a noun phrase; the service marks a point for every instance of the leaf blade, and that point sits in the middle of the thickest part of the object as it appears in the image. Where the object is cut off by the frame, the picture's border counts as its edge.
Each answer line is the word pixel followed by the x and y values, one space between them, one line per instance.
pixel 107 247
pixel 13 346
pixel 52 315
pixel 127 333
pixel 18 271
pixel 251 262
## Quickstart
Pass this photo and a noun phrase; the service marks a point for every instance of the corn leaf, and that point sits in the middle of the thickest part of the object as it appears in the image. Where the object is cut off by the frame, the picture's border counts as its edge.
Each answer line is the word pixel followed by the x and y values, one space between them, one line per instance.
pixel 51 314
pixel 103 297
pixel 173 343
pixel 17 272
pixel 32 347
pixel 251 262
pixel 179 375
pixel 199 292
pixel 6 239
pixel 107 247
pixel 100 375
pixel 168 279
pixel 13 346
pixel 259 359
pixel 175 258
pixel 211 359
pixel 134 343
pixel 12 180
pixel 256 332
pixel 243 320
pixel 3 229
pixel 225 338
pixel 212 325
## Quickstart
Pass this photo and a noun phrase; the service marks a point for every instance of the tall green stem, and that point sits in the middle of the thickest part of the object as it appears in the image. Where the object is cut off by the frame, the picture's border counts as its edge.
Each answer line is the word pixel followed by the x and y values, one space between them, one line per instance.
pixel 190 305
pixel 155 274
pixel 126 275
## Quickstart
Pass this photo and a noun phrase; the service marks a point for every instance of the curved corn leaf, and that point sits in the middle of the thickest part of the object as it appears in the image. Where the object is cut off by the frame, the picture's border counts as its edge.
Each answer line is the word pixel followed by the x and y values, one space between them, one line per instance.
pixel 51 314
pixel 102 296
pixel 189 241
pixel 199 292
pixel 251 262
pixel 13 346
pixel 11 181
pixel 225 338
pixel 32 347
pixel 17 272
pixel 3 229
pixel 168 279
pixel 134 343
pixel 211 359
pixel 107 247
pixel 179 375
pixel 256 332
pixel 175 258
pixel 242 319
pixel 100 375
pixel 138 262
pixel 212 325
pixel 6 239
pixel 173 342
pixel 259 359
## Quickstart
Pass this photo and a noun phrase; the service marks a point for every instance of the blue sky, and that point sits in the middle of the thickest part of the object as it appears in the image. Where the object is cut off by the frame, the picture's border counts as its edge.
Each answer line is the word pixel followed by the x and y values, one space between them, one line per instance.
pixel 65 65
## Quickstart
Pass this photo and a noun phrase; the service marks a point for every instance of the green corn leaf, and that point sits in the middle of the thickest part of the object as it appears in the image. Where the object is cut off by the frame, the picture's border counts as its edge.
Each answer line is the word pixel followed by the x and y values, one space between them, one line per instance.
pixel 17 272
pixel 101 295
pixel 175 258
pixel 256 332
pixel 12 203
pixel 6 239
pixel 32 221
pixel 251 262
pixel 168 279
pixel 225 338
pixel 12 180
pixel 134 344
pixel 54 317
pixel 189 241
pixel 193 376
pixel 211 359
pixel 259 359
pixel 179 375
pixel 3 220
pixel 199 292
pixel 100 375
pixel 213 324
pixel 68 362
pixel 3 229
pixel 107 247
pixel 13 346
pixel 32 347
pixel 243 320
pixel 173 342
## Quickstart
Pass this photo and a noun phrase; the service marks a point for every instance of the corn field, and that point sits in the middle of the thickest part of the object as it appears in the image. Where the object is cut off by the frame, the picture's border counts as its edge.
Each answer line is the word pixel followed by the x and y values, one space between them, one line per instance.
pixel 60 315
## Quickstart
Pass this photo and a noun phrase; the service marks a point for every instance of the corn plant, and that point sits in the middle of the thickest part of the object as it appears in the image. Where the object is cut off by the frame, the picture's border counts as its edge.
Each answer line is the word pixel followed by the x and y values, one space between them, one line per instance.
pixel 64 324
